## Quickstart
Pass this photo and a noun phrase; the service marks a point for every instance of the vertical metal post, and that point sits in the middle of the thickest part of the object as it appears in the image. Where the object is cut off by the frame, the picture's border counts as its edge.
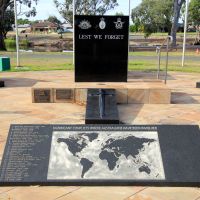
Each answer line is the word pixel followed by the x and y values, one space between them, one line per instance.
pixel 185 32
pixel 74 12
pixel 129 9
pixel 159 55
pixel 17 34
pixel 129 28
pixel 167 59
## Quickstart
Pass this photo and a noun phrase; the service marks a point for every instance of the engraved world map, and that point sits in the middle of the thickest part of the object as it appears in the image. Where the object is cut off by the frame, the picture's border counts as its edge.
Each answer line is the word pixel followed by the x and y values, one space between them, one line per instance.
pixel 105 155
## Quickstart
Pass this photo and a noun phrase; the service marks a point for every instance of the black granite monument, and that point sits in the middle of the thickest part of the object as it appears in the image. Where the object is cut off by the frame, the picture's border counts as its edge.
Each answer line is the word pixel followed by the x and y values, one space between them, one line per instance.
pixel 101 48
pixel 101 155
pixel 198 85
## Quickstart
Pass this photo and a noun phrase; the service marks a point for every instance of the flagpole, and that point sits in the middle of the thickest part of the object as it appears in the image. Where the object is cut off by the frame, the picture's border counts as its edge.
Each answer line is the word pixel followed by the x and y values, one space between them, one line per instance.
pixel 185 32
pixel 129 28
pixel 74 12
pixel 17 34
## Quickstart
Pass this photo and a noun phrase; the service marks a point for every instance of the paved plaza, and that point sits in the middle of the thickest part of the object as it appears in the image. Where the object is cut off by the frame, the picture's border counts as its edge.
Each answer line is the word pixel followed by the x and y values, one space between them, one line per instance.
pixel 16 107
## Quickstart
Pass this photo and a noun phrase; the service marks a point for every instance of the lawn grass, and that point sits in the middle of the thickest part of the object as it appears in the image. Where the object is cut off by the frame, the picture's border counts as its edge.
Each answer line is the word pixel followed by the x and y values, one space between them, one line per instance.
pixel 138 65
pixel 47 61
pixel 171 53
pixel 162 35
pixel 44 65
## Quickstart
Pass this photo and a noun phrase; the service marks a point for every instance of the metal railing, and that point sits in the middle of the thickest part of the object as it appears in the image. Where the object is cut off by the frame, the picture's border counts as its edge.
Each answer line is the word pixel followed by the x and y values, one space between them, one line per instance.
pixel 168 40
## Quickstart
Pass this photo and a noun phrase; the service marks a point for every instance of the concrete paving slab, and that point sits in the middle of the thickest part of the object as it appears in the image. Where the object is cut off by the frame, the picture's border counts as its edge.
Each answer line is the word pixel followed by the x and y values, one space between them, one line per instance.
pixel 16 107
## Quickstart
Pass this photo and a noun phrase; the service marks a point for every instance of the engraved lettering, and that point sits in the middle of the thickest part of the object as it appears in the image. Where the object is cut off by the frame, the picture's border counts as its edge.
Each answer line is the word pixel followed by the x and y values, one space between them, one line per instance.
pixel 85 37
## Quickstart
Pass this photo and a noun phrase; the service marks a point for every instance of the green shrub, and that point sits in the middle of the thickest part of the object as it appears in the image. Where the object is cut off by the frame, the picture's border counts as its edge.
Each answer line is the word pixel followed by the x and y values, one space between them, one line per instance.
pixel 10 44
pixel 24 44
pixel 133 28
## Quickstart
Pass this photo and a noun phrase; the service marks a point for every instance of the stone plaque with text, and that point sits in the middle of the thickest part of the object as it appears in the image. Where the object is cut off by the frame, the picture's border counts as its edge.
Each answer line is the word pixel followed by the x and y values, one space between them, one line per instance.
pixel 42 95
pixel 63 95
pixel 101 155
pixel 101 48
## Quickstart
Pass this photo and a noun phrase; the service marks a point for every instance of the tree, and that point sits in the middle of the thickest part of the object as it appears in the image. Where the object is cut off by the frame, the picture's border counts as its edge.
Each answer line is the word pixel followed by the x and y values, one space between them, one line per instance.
pixel 84 7
pixel 152 16
pixel 176 15
pixel 194 17
pixel 9 20
pixel 133 28
pixel 54 20
pixel 5 6
pixel 23 21
pixel 119 14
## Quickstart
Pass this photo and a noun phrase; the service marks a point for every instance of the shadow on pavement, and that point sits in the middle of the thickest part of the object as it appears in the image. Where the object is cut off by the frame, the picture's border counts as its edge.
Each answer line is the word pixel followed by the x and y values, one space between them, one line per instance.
pixel 183 98
pixel 20 82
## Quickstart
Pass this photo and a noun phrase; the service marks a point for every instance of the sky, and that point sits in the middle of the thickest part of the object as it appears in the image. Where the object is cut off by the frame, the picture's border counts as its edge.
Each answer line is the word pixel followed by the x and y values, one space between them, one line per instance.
pixel 45 8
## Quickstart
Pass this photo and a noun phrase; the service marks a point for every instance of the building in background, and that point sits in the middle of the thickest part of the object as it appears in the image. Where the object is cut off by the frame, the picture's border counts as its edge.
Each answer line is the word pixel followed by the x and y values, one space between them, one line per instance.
pixel 23 28
pixel 45 27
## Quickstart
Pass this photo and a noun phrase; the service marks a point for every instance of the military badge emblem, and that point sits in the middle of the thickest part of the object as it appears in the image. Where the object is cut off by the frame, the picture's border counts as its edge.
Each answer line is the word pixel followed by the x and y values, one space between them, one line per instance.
pixel 85 24
pixel 102 23
pixel 119 24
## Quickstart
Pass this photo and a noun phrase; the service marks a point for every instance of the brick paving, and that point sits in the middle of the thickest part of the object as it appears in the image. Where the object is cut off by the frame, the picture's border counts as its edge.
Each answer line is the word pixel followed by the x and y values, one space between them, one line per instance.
pixel 16 108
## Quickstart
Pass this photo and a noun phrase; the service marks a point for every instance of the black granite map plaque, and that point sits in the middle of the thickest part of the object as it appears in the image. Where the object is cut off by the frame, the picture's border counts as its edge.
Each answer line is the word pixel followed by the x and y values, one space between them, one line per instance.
pixel 42 96
pixel 101 155
pixel 101 48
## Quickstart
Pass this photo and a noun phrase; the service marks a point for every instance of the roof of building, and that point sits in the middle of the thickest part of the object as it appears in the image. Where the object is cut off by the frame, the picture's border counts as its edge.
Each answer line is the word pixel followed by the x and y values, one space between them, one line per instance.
pixel 44 25
pixel 24 25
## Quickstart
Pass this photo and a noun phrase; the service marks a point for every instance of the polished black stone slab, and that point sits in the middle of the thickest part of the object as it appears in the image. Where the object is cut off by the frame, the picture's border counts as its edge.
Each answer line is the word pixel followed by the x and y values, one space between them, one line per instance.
pixel 2 84
pixel 164 155
pixel 198 84
pixel 101 107
pixel 101 48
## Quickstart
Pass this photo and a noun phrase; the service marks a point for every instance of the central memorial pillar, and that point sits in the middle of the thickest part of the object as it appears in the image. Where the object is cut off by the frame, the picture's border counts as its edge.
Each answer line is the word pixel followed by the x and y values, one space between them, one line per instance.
pixel 101 48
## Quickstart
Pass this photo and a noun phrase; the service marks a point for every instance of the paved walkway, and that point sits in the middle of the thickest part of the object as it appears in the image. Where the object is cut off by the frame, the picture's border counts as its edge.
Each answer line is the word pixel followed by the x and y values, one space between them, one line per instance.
pixel 16 107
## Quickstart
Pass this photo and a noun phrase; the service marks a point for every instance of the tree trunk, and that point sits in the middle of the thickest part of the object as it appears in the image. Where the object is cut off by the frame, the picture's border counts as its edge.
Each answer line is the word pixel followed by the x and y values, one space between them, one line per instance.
pixel 177 8
pixel 3 6
pixel 2 43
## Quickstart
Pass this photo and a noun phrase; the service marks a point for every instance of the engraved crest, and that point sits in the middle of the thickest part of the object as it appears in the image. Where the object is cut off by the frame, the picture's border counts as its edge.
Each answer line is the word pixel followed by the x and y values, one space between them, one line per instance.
pixel 119 24
pixel 102 23
pixel 84 24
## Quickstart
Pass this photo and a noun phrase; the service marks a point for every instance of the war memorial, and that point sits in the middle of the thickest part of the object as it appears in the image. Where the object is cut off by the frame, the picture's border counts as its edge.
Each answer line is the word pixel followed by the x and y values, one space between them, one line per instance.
pixel 100 125
pixel 103 151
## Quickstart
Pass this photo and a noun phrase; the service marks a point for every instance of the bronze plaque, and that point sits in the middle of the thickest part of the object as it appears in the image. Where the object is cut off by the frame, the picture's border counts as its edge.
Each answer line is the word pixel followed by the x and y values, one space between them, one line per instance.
pixel 63 94
pixel 42 96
